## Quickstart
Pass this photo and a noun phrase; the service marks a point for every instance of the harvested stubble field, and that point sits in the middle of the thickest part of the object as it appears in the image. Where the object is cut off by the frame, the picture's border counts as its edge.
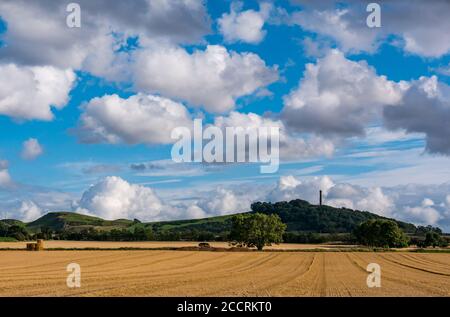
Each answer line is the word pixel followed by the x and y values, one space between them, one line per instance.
pixel 191 273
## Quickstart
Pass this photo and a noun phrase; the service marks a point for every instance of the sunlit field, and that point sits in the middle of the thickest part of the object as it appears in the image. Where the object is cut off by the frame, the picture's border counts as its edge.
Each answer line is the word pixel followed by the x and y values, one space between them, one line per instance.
pixel 193 273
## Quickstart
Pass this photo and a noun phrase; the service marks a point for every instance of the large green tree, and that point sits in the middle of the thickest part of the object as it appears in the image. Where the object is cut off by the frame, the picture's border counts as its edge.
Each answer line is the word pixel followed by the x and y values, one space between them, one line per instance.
pixel 256 230
pixel 381 233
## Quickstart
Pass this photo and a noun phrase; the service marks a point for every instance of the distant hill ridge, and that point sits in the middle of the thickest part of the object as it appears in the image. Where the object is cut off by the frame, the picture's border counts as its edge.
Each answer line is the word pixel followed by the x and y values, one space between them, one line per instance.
pixel 299 215
pixel 69 220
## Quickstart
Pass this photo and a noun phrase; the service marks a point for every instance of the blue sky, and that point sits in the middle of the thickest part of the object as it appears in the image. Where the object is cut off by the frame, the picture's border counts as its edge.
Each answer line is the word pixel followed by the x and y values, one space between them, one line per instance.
pixel 391 152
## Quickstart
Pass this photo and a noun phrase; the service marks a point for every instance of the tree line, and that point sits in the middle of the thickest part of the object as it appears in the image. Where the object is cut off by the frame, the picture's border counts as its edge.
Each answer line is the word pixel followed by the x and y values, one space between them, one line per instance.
pixel 248 230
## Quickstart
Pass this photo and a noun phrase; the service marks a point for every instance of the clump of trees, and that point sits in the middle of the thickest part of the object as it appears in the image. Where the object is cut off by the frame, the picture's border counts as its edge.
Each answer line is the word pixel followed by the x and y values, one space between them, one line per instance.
pixel 256 230
pixel 135 233
pixel 14 231
pixel 315 237
pixel 423 230
pixel 381 233
pixel 429 236
pixel 433 239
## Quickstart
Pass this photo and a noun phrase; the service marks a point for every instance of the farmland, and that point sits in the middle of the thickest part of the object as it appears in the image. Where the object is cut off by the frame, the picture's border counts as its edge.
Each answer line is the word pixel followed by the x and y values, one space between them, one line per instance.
pixel 193 273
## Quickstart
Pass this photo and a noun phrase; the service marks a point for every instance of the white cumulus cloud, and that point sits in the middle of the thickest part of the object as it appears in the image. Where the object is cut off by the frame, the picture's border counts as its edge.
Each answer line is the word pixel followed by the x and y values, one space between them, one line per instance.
pixel 339 97
pixel 137 119
pixel 246 26
pixel 335 24
pixel 225 201
pixel 115 198
pixel 423 34
pixel 291 146
pixel 46 32
pixel 31 149
pixel 28 93
pixel 5 178
pixel 425 108
pixel 290 187
pixel 212 78
pixel 29 211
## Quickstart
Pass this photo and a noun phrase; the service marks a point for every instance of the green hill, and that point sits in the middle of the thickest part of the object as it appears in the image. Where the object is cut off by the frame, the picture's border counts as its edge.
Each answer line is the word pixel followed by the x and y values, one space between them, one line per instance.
pixel 212 224
pixel 298 215
pixel 12 222
pixel 58 221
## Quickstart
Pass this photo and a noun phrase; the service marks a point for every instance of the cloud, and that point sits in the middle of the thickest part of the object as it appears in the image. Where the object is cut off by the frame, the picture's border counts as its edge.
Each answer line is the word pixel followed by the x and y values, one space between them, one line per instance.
pixel 377 135
pixel 137 119
pixel 442 70
pixel 425 109
pixel 170 168
pixel 290 187
pixel 339 97
pixel 216 201
pixel 213 78
pixel 94 47
pixel 5 178
pixel 245 26
pixel 101 46
pixel 115 198
pixel 46 32
pixel 177 21
pixel 100 169
pixel 24 210
pixel 29 211
pixel 31 149
pixel 89 169
pixel 425 34
pixel 424 215
pixel 335 24
pixel 112 45
pixel 223 201
pixel 4 164
pixel 386 166
pixel 376 201
pixel 314 48
pixel 28 93
pixel 292 147
pixel 422 204
pixel 28 202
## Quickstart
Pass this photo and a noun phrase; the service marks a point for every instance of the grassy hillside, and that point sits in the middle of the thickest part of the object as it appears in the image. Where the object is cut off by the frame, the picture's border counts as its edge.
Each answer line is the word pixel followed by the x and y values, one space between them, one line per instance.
pixel 12 222
pixel 212 224
pixel 57 221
